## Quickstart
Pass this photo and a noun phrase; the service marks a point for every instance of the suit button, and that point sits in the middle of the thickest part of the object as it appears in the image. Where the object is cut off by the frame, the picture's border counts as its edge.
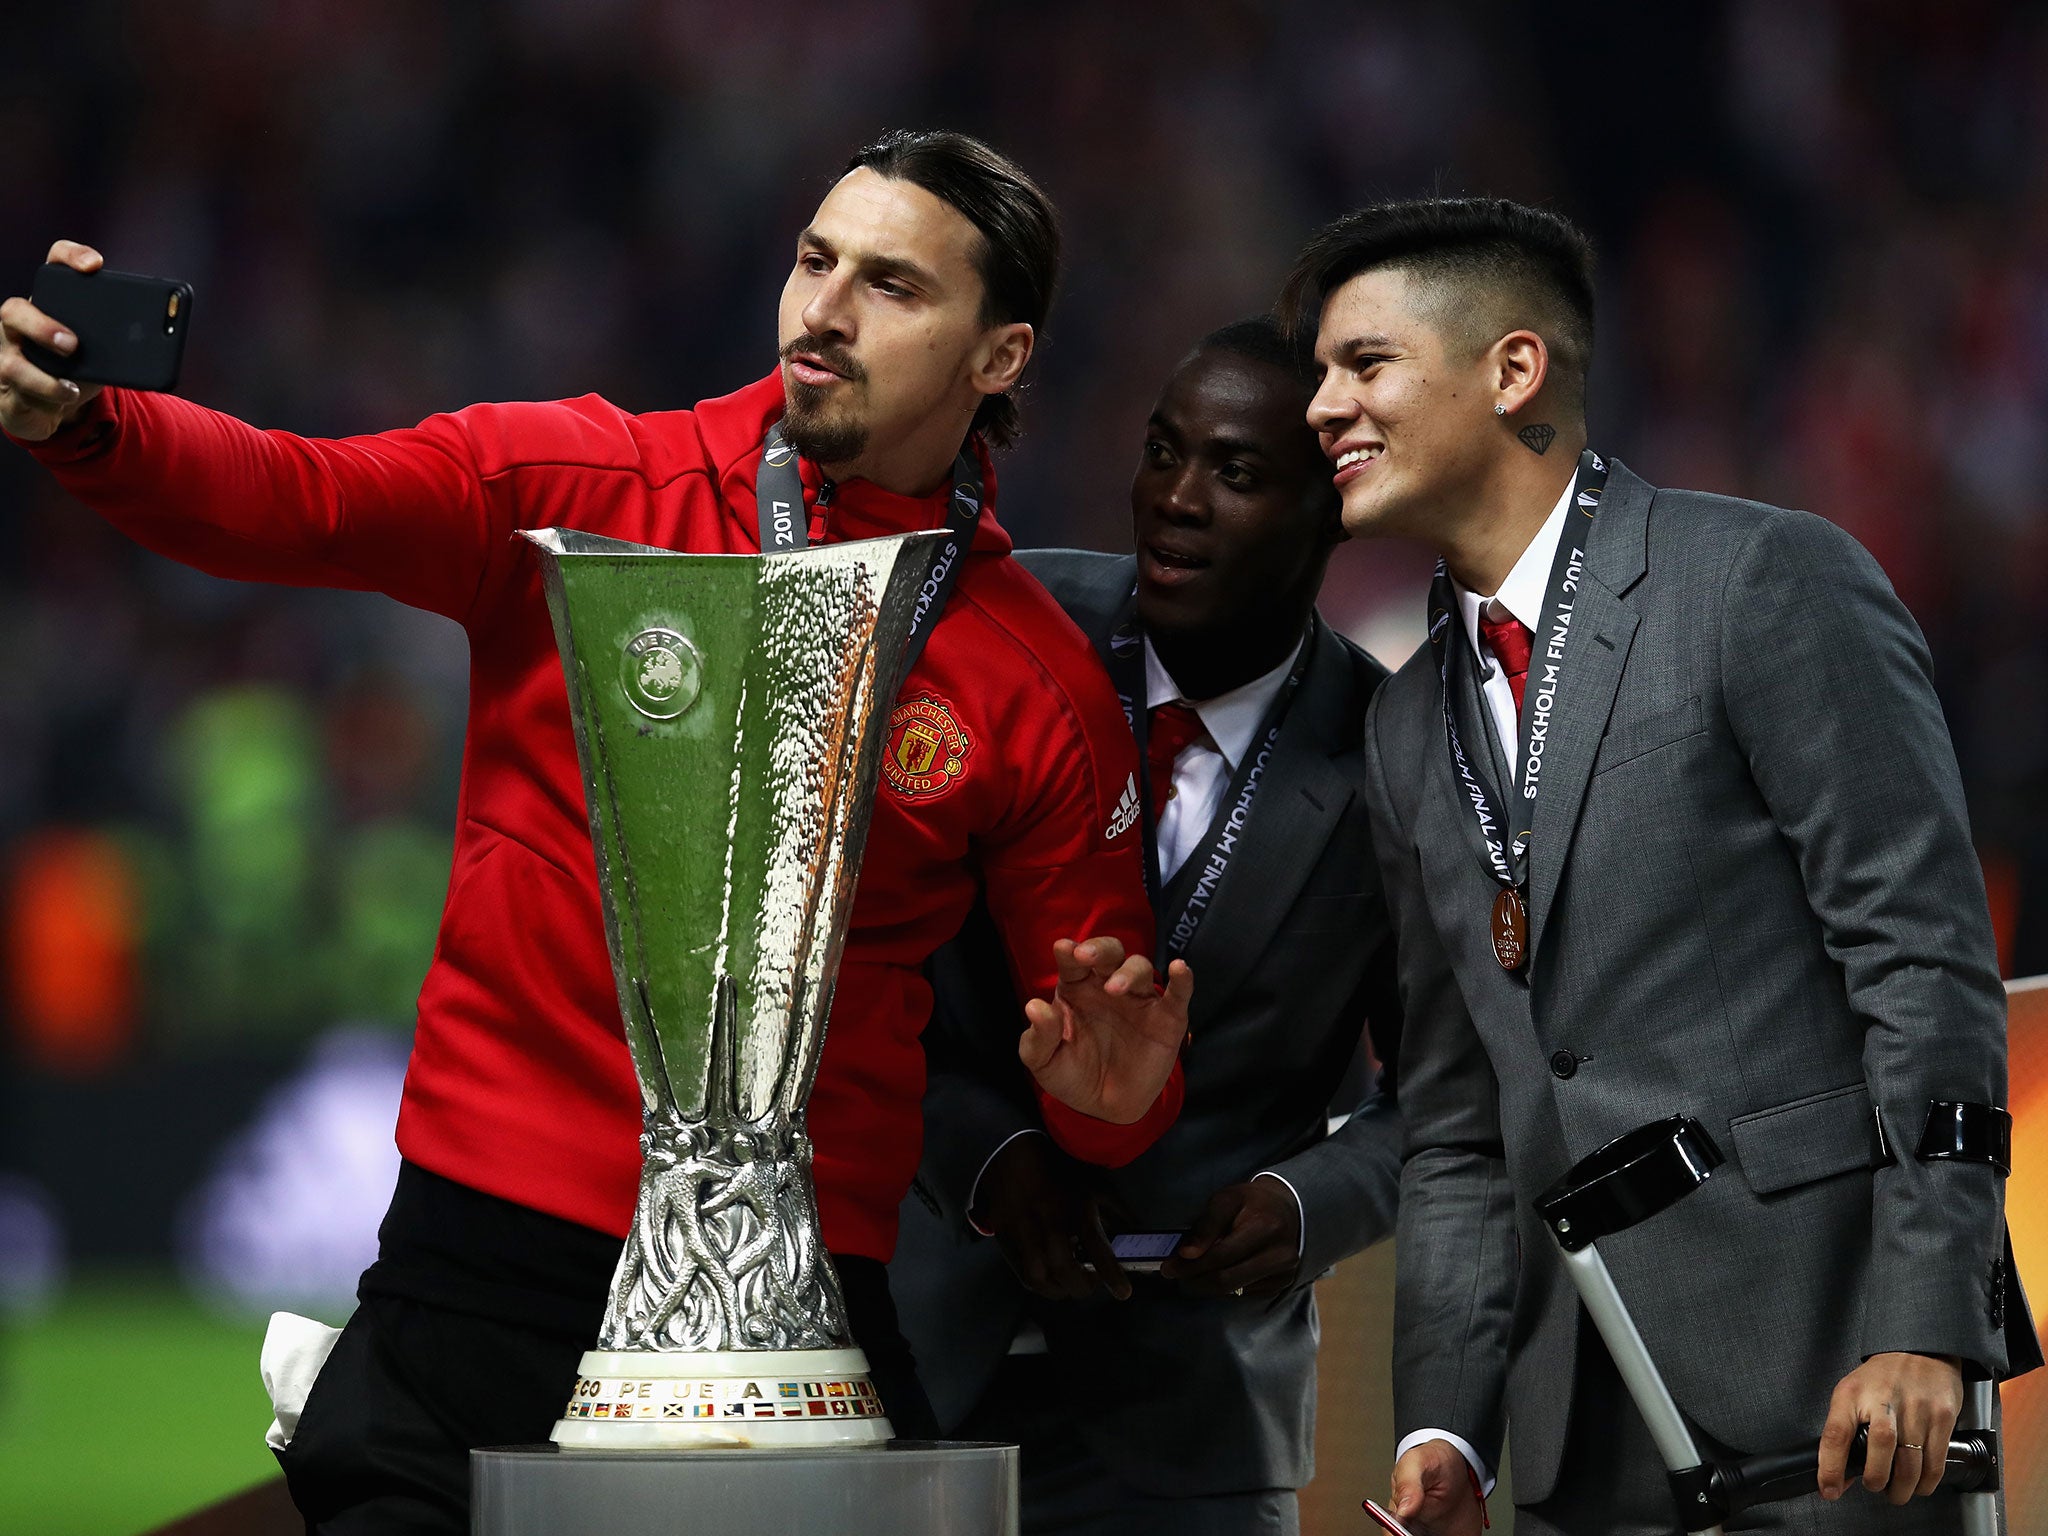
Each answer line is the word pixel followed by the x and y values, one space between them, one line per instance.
pixel 1564 1064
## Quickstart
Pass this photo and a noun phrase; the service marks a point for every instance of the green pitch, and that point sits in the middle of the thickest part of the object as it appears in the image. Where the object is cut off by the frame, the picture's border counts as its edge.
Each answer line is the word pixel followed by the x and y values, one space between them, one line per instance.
pixel 125 1406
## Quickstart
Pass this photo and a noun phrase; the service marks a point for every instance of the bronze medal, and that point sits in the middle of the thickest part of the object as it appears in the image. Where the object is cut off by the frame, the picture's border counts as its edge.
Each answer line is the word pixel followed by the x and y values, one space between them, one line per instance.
pixel 1510 929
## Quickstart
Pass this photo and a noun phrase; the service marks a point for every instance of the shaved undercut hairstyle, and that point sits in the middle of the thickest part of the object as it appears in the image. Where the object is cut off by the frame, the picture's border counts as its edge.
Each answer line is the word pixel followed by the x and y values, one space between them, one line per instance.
pixel 1018 256
pixel 1483 265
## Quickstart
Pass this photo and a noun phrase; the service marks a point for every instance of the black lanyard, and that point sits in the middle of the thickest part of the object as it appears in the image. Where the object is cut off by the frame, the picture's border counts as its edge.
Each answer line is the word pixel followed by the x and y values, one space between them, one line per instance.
pixel 1213 855
pixel 779 503
pixel 1507 836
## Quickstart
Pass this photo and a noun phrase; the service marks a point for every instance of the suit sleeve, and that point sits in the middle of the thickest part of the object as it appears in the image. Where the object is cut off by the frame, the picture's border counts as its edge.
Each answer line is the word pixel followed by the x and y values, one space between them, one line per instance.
pixel 1830 693
pixel 404 513
pixel 1069 866
pixel 1455 1259
pixel 1349 1183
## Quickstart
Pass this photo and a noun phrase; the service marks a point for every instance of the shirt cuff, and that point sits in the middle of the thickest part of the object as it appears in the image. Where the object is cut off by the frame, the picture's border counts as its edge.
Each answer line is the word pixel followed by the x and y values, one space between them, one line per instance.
pixel 1300 1212
pixel 974 1190
pixel 1472 1457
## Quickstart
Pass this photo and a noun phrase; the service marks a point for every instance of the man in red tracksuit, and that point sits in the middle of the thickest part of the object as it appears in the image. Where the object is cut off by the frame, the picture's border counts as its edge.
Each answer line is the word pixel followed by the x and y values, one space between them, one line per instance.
pixel 908 317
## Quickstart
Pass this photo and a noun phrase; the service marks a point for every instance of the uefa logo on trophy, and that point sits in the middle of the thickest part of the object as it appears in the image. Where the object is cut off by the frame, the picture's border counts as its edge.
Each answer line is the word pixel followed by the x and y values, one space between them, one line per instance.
pixel 729 713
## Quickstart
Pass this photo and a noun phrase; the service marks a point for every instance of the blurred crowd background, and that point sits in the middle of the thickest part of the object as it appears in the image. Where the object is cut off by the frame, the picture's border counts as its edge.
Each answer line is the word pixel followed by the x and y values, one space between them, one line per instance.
pixel 225 811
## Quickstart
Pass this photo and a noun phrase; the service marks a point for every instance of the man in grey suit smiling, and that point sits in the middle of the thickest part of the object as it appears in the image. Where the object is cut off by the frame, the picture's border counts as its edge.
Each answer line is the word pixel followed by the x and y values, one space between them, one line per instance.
pixel 1670 824
pixel 1184 1405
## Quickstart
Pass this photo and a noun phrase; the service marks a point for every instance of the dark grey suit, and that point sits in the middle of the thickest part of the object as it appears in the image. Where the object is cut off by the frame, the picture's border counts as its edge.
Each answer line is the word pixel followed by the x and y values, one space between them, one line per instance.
pixel 1753 900
pixel 1176 1394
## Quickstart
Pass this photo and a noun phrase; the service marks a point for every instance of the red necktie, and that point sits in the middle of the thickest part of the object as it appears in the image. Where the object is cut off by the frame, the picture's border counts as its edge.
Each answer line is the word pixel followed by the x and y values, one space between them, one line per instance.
pixel 1509 640
pixel 1174 726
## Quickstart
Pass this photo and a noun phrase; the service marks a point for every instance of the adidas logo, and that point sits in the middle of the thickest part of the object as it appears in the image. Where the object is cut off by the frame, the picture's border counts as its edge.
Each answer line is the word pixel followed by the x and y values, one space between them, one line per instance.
pixel 1126 815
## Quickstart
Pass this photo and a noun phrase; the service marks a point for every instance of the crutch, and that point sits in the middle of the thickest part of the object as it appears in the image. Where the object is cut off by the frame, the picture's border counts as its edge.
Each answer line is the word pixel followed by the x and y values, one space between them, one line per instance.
pixel 1630 1180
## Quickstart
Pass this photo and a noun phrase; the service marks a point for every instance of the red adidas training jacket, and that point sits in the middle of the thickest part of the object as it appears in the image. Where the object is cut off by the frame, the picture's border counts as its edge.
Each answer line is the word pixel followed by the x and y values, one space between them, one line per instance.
pixel 520 1084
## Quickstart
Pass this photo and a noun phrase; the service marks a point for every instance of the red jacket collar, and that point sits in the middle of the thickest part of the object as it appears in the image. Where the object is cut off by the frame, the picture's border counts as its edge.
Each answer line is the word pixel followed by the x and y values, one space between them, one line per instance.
pixel 733 427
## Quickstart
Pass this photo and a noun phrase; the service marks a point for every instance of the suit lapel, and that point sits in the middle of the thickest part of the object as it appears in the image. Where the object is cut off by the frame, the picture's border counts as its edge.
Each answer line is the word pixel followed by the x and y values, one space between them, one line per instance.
pixel 1603 628
pixel 1292 817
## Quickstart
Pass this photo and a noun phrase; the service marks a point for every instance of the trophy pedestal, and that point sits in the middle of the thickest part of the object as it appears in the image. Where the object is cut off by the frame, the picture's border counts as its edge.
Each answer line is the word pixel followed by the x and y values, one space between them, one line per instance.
pixel 906 1488
pixel 732 1400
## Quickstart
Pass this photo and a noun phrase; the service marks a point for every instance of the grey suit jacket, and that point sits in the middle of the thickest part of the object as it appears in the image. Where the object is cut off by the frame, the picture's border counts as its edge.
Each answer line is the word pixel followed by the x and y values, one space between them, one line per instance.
pixel 1180 1394
pixel 1754 901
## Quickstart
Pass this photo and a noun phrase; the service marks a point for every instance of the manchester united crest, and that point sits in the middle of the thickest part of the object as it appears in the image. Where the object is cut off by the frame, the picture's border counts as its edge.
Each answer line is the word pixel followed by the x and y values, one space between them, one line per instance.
pixel 926 750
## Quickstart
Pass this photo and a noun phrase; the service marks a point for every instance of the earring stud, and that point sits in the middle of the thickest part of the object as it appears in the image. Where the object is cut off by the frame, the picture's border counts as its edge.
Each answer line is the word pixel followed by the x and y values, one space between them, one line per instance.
pixel 1500 410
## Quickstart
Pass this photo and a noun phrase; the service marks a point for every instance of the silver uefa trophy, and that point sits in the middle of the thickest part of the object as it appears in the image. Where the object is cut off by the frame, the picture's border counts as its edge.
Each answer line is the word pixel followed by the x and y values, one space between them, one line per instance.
pixel 729 714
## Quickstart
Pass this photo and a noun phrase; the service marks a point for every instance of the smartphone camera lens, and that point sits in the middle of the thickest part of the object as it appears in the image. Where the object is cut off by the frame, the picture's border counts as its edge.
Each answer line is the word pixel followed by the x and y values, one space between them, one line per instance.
pixel 171 314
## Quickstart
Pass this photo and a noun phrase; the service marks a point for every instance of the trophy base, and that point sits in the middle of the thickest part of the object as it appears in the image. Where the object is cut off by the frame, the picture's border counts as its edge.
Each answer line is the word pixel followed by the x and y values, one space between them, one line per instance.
pixel 906 1488
pixel 763 1400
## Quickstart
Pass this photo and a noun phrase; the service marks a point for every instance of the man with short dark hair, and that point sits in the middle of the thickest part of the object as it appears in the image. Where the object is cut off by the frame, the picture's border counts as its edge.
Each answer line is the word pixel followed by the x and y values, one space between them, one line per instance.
pixel 1670 824
pixel 908 316
pixel 1187 1406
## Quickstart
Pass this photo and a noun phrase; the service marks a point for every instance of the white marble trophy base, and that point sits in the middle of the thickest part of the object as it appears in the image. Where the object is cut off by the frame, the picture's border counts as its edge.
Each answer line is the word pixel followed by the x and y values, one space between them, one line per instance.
pixel 760 1399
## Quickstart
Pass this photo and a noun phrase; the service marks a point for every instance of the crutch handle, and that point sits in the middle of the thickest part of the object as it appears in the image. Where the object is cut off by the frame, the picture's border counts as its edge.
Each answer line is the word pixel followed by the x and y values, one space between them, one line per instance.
pixel 1770 1476
pixel 1713 1492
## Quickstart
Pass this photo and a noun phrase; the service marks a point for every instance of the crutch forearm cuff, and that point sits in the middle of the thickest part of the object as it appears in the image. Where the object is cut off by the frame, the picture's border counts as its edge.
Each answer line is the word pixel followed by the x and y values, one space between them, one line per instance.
pixel 1967 1133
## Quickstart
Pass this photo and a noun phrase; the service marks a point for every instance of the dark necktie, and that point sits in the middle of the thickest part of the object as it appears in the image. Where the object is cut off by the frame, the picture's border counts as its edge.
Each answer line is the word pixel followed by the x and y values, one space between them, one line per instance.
pixel 1174 727
pixel 1509 640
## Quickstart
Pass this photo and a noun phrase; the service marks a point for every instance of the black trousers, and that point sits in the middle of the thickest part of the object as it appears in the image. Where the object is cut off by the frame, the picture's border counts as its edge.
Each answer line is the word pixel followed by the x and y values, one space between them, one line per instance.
pixel 467 1332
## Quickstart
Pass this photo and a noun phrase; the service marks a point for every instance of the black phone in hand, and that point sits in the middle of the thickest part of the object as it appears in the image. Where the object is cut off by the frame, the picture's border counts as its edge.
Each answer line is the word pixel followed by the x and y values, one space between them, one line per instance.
pixel 130 328
pixel 1141 1253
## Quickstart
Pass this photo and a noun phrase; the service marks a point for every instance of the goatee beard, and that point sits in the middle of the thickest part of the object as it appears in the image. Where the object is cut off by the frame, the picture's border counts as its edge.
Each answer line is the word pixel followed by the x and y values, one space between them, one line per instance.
pixel 809 431
pixel 806 425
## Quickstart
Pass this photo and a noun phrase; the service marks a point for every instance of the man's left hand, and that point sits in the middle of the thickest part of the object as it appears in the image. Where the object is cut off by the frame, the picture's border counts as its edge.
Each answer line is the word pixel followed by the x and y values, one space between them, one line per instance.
pixel 1247 1243
pixel 1106 1043
pixel 1910 1403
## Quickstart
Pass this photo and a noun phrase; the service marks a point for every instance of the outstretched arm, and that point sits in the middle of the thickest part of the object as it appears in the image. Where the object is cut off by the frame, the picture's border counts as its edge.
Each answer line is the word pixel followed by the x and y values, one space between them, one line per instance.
pixel 406 513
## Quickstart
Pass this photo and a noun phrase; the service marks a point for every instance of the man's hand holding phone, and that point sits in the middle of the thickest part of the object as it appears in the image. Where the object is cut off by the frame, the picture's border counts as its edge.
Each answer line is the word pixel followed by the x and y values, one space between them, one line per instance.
pixel 1032 1201
pixel 1385 1520
pixel 35 404
pixel 1247 1242
pixel 1435 1493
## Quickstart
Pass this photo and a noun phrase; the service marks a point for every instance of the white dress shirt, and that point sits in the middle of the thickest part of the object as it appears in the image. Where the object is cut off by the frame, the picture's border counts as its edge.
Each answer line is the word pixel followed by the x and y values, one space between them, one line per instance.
pixel 1202 771
pixel 1521 597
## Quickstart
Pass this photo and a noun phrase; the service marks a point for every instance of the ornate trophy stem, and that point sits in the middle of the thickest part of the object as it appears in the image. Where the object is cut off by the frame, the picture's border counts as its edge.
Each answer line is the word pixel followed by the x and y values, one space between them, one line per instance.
pixel 724 1245
pixel 728 713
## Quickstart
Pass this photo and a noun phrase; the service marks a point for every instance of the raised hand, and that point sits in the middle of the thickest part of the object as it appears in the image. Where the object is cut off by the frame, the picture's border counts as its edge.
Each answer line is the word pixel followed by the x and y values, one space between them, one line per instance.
pixel 1106 1043
pixel 1247 1242
pixel 33 404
